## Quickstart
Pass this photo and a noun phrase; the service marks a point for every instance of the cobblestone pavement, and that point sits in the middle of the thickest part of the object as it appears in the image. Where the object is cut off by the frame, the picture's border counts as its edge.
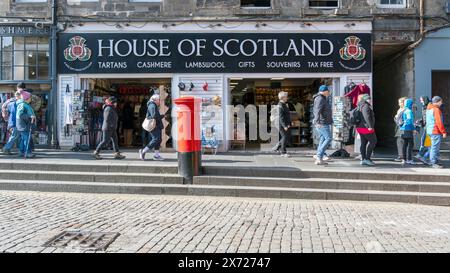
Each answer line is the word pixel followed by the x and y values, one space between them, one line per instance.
pixel 214 224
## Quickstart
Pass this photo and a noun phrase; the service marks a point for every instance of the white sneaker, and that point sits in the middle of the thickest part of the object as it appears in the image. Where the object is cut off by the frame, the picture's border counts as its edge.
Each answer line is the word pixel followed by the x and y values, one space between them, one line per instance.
pixel 411 162
pixel 158 157
pixel 325 158
pixel 321 162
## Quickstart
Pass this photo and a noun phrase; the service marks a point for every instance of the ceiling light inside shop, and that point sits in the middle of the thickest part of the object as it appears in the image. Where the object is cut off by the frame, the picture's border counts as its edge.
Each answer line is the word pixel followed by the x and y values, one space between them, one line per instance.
pixel 236 79
pixel 277 79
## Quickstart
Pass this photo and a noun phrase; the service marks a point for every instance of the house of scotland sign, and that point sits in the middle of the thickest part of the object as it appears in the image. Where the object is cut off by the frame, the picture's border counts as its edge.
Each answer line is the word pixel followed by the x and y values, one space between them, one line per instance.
pixel 214 53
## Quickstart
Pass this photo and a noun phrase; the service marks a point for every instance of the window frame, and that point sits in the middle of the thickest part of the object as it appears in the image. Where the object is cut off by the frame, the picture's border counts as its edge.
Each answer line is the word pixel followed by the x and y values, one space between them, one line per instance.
pixel 26 67
pixel 245 7
pixel 325 7
pixel 30 1
pixel 392 6
pixel 145 1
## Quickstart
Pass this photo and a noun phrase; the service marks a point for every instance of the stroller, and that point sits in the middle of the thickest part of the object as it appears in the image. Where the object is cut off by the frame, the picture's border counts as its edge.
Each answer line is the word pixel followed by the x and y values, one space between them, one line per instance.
pixel 209 139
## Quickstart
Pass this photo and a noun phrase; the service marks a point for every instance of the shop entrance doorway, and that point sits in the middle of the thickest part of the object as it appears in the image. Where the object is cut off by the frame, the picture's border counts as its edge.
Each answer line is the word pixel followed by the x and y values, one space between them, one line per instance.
pixel 264 92
pixel 132 95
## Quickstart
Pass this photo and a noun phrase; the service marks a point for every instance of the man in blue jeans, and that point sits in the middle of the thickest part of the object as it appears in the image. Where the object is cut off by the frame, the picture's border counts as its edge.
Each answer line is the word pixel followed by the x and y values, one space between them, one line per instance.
pixel 435 129
pixel 322 121
pixel 14 134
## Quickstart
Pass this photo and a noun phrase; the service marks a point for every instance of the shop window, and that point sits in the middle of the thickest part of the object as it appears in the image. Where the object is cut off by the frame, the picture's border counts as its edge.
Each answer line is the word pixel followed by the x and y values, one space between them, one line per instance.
pixel 31 1
pixel 148 1
pixel 19 73
pixel 392 3
pixel 324 4
pixel 23 57
pixel 6 73
pixel 256 3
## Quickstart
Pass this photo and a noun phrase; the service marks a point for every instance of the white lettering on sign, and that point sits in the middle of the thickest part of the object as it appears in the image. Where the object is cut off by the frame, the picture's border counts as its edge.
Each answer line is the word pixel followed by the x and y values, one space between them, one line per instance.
pixel 229 47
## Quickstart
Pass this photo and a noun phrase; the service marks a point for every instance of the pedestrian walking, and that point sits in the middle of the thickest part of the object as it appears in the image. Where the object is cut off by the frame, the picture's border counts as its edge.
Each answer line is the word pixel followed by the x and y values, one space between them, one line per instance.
pixel 398 122
pixel 435 129
pixel 284 119
pixel 109 129
pixel 322 122
pixel 407 131
pixel 9 110
pixel 25 119
pixel 156 133
pixel 145 136
pixel 423 154
pixel 366 129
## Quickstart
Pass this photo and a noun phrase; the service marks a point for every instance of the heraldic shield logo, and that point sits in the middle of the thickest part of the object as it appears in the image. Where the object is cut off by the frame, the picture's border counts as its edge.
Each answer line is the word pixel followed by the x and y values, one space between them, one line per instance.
pixel 352 51
pixel 77 50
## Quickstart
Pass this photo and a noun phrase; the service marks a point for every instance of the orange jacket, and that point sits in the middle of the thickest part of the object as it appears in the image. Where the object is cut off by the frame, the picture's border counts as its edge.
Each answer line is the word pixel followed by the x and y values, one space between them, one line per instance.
pixel 435 124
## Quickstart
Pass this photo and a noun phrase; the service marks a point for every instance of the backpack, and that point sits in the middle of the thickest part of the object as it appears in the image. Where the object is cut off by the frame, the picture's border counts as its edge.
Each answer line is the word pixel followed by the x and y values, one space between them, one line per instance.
pixel 5 108
pixel 355 117
pixel 399 119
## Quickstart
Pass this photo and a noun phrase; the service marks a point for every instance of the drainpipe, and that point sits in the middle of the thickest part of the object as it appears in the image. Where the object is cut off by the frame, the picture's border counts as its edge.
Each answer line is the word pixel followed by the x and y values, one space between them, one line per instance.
pixel 54 92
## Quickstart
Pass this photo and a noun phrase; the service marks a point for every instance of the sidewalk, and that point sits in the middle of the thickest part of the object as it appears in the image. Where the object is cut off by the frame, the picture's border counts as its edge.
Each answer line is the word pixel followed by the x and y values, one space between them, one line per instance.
pixel 300 159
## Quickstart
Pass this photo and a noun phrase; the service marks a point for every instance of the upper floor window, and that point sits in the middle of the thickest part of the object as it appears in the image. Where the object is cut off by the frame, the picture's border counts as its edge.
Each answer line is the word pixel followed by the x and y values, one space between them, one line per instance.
pixel 256 3
pixel 392 3
pixel 31 1
pixel 150 1
pixel 24 58
pixel 324 4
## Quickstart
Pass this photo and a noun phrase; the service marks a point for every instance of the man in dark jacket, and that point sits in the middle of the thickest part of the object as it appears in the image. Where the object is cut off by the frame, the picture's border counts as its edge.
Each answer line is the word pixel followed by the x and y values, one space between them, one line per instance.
pixel 109 129
pixel 284 117
pixel 322 121
pixel 423 151
pixel 156 133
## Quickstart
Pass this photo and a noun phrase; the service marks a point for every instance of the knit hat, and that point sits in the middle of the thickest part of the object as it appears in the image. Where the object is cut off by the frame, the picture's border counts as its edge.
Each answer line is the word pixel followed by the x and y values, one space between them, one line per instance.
pixel 112 99
pixel 25 95
pixel 366 97
pixel 436 99
pixel 323 88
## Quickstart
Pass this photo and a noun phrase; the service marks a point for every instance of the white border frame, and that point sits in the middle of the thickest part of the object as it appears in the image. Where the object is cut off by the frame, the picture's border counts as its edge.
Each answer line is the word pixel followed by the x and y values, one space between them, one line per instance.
pixel 392 6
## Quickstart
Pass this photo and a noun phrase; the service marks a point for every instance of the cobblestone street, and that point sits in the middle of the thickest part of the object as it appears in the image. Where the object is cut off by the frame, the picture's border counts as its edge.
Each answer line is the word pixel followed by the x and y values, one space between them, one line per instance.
pixel 214 224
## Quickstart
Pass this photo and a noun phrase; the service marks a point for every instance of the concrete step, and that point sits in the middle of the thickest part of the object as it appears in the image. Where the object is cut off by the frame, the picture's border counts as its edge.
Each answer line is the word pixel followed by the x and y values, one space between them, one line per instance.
pixel 113 177
pixel 360 173
pixel 442 199
pixel 89 167
pixel 325 183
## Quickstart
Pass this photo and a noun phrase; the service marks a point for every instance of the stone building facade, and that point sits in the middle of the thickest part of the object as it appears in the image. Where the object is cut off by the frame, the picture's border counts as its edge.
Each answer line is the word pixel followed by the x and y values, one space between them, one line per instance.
pixel 398 28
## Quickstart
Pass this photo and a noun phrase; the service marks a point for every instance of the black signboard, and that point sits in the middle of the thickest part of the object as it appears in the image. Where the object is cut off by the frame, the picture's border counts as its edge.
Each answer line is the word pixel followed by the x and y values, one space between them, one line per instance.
pixel 214 52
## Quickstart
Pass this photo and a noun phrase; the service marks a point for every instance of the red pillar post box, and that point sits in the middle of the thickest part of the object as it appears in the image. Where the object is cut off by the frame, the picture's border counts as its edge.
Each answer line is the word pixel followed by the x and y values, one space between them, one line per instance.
pixel 189 145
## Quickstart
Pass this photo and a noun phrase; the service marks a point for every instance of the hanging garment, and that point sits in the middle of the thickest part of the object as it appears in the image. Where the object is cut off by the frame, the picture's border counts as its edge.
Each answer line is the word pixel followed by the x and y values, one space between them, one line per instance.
pixel 358 90
pixel 68 117
pixel 349 88
pixel 300 109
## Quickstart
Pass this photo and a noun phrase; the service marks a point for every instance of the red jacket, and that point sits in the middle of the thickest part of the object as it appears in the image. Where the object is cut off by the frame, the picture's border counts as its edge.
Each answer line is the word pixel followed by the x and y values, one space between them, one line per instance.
pixel 358 90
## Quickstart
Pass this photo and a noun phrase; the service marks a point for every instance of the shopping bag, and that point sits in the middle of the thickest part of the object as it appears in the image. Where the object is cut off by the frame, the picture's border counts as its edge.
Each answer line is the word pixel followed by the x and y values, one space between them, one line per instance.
pixel 427 141
pixel 149 124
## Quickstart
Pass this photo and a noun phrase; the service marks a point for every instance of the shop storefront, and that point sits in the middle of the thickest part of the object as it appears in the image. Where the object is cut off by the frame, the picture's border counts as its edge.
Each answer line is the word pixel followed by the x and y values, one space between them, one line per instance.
pixel 25 55
pixel 223 66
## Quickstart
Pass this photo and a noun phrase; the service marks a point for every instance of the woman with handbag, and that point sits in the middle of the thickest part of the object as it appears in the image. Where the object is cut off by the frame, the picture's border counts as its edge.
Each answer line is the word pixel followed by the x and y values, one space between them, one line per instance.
pixel 153 124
